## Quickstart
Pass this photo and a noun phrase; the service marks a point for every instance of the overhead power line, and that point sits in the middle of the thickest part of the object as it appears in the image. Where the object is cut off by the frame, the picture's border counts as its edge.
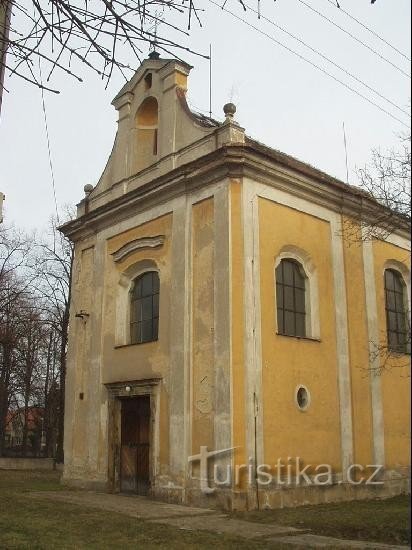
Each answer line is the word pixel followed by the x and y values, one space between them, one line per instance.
pixel 301 41
pixel 354 38
pixel 46 126
pixel 368 29
pixel 353 90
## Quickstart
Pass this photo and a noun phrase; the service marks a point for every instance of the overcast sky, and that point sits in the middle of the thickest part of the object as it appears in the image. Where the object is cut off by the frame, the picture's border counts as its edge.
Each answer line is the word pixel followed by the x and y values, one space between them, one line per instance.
pixel 280 99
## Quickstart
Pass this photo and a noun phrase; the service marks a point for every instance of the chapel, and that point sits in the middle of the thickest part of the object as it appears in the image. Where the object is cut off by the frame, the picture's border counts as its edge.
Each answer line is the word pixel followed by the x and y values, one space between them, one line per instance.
pixel 222 325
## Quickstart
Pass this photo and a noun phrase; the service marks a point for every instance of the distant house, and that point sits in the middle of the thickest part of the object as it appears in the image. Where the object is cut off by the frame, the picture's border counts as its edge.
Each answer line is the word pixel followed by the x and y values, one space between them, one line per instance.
pixel 15 430
pixel 13 433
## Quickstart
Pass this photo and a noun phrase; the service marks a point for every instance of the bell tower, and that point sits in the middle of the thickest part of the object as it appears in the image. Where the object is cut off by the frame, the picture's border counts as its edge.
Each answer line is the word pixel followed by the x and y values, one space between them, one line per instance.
pixel 147 107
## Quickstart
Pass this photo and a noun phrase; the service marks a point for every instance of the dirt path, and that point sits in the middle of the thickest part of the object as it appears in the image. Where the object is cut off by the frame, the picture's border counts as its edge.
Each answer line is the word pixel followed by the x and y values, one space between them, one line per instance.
pixel 200 519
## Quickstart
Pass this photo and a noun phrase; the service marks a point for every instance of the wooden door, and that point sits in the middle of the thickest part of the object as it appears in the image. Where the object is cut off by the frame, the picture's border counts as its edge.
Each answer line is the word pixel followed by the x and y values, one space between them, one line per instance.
pixel 135 445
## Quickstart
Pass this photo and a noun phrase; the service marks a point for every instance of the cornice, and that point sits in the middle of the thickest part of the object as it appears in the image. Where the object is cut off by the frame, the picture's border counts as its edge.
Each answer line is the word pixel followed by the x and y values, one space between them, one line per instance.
pixel 234 161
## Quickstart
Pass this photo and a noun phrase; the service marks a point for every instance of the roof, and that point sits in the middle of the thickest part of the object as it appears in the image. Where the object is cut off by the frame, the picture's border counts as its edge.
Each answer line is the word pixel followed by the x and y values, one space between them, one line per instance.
pixel 201 119
pixel 291 161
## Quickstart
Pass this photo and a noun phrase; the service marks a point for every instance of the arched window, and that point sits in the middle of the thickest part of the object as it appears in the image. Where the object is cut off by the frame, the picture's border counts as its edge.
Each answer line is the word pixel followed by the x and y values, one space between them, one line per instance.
pixel 291 298
pixel 396 312
pixel 144 308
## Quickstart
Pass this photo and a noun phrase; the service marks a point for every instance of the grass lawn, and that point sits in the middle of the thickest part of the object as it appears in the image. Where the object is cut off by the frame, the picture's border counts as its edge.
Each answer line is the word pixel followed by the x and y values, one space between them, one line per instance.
pixel 386 521
pixel 42 524
pixel 31 523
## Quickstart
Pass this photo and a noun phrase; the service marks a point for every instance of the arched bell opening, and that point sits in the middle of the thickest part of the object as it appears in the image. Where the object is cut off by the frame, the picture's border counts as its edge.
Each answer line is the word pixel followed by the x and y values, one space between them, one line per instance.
pixel 146 125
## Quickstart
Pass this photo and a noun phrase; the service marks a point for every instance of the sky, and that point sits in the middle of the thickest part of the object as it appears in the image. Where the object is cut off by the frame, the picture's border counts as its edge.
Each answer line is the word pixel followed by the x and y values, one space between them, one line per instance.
pixel 281 100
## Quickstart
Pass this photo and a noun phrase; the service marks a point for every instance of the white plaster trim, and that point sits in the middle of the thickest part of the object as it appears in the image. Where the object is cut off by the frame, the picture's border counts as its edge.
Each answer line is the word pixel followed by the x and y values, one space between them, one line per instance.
pixel 188 321
pixel 252 325
pixel 223 397
pixel 311 287
pixel 287 199
pixel 398 241
pixel 309 397
pixel 230 266
pixel 180 350
pixel 125 283
pixel 156 432
pixel 137 244
pixel 98 405
pixel 209 192
pixel 373 337
pixel 342 344
pixel 150 388
pixel 159 210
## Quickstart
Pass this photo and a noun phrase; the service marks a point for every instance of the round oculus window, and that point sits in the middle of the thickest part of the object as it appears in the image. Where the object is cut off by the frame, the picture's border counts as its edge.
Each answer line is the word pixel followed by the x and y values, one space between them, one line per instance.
pixel 302 398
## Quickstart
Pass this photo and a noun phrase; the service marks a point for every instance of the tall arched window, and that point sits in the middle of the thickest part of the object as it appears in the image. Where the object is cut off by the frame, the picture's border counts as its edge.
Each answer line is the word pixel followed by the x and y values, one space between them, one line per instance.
pixel 396 312
pixel 290 298
pixel 144 308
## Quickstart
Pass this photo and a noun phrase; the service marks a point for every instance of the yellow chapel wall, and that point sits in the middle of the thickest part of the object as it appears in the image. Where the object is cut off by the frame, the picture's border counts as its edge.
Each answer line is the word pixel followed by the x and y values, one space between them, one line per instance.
pixel 127 362
pixel 203 339
pixel 147 360
pixel 313 435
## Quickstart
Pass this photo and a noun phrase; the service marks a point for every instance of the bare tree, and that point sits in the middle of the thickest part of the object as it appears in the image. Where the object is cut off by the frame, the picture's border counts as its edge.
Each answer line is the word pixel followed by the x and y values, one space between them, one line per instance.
pixel 54 265
pixel 51 393
pixel 42 37
pixel 384 197
pixel 34 379
pixel 14 248
pixel 384 208
pixel 389 182
pixel 9 333
pixel 35 280
pixel 30 362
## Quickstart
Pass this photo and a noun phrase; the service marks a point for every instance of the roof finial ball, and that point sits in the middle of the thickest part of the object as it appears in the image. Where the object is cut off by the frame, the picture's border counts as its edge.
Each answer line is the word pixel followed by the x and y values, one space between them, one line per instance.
pixel 88 188
pixel 154 54
pixel 229 109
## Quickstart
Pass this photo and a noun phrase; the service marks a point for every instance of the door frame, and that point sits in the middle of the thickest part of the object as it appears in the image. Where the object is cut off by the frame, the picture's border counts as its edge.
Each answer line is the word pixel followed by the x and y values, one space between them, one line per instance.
pixel 129 389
